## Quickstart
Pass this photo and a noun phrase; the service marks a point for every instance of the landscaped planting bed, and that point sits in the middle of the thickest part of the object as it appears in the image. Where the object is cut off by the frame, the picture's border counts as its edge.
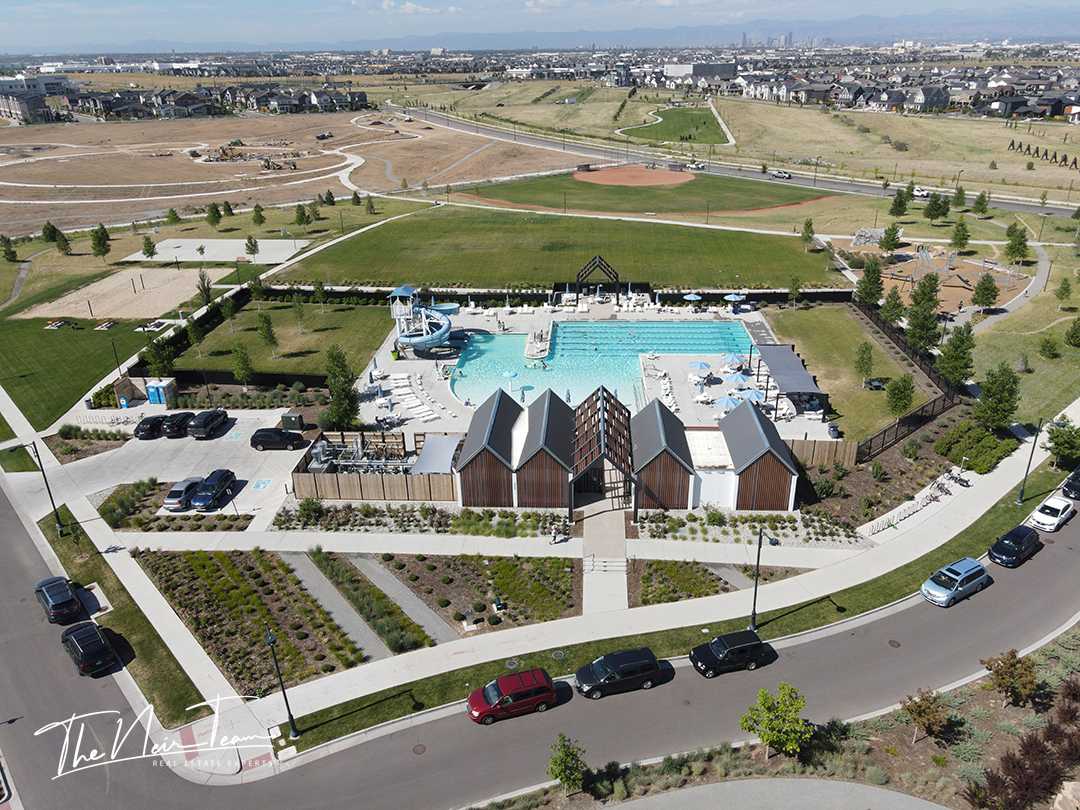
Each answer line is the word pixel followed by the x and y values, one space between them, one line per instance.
pixel 72 443
pixel 672 581
pixel 135 507
pixel 224 598
pixel 466 588
pixel 710 524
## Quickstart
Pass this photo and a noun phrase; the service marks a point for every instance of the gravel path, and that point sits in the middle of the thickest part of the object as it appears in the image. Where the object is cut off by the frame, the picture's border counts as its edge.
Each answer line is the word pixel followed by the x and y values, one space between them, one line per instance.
pixel 409 602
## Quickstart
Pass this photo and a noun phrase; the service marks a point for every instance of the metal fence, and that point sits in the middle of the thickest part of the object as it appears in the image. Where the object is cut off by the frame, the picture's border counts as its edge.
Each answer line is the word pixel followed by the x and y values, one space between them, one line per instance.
pixel 905 426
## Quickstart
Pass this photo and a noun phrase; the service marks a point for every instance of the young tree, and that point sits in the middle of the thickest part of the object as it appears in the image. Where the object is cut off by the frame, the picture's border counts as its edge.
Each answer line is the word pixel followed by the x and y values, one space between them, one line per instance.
pixel 1072 334
pixel 567 764
pixel 328 198
pixel 302 218
pixel 899 205
pixel 999 399
pixel 909 191
pixel 341 383
pixel 1063 441
pixel 1013 676
pixel 205 288
pixel 226 209
pixel 266 332
pixel 48 232
pixel 937 207
pixel 201 250
pixel 298 311
pixel 893 308
pixel 228 310
pixel 985 294
pixel 158 357
pixel 256 290
pixel 955 362
pixel 213 215
pixel 981 206
pixel 864 361
pixel 807 235
pixel 258 219
pixel 319 294
pixel 171 217
pixel 899 394
pixel 1017 249
pixel 10 255
pixel 928 713
pixel 62 243
pixel 777 720
pixel 369 205
pixel 251 247
pixel 149 249
pixel 829 252
pixel 195 335
pixel 890 240
pixel 794 290
pixel 961 236
pixel 313 210
pixel 870 287
pixel 959 198
pixel 99 245
pixel 242 368
pixel 355 199
pixel 1063 292
pixel 102 232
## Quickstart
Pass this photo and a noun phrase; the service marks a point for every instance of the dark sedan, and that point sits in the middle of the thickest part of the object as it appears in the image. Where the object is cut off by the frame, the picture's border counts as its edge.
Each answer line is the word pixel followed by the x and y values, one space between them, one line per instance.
pixel 150 427
pixel 58 599
pixel 1071 487
pixel 175 425
pixel 275 439
pixel 1015 546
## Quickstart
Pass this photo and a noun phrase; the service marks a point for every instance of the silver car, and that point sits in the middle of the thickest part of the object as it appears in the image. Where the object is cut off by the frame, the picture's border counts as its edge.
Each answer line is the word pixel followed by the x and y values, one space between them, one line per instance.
pixel 955 581
pixel 179 497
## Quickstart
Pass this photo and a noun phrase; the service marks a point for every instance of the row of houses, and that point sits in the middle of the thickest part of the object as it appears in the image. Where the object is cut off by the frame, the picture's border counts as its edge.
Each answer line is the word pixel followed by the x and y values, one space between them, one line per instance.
pixel 26 108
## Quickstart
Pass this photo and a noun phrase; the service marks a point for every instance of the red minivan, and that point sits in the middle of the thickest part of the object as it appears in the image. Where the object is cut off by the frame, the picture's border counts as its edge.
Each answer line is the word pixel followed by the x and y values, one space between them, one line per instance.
pixel 510 695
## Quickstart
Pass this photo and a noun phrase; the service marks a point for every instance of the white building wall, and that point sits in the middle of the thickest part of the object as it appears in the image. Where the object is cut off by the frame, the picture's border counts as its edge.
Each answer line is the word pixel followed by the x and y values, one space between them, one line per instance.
pixel 716 486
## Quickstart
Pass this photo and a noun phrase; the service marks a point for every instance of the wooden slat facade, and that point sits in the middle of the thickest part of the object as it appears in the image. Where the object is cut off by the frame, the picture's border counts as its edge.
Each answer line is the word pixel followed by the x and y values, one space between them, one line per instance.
pixel 765 484
pixel 486 482
pixel 542 482
pixel 811 453
pixel 663 483
pixel 374 487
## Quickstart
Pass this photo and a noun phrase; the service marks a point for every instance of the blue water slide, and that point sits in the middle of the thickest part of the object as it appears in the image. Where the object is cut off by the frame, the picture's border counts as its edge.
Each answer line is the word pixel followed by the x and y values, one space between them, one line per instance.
pixel 418 339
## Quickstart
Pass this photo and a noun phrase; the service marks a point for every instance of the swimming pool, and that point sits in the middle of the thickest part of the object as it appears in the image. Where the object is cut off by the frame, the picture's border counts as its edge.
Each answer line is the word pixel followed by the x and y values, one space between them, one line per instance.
pixel 585 355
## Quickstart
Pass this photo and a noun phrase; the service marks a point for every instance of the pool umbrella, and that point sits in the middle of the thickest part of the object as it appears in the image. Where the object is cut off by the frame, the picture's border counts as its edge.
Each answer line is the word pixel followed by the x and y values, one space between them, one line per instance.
pixel 380 389
pixel 752 394
pixel 374 363
pixel 389 405
pixel 433 300
pixel 700 365
pixel 370 378
pixel 731 358
pixel 691 297
pixel 733 297
pixel 727 402
pixel 738 379
pixel 470 302
pixel 508 300
pixel 510 376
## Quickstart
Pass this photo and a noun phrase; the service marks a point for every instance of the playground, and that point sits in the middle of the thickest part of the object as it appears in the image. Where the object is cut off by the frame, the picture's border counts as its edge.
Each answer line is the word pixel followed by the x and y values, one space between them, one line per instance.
pixel 956 277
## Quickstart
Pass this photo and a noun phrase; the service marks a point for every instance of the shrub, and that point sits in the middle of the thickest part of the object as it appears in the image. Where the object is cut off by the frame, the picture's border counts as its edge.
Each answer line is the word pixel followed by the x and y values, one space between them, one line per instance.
pixel 68 431
pixel 493 620
pixel 939 759
pixel 387 556
pixel 442 602
pixel 973 773
pixel 993 164
pixel 876 776
pixel 479 607
pixel 900 146
pixel 458 616
pixel 446 580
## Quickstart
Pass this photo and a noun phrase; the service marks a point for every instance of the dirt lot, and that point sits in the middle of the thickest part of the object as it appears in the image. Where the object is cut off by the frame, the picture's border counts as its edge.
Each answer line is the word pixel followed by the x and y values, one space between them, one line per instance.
pixel 634 176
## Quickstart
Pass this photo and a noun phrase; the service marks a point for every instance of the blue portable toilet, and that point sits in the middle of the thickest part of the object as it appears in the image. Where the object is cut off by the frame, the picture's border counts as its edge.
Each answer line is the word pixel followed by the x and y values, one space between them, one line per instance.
pixel 153 392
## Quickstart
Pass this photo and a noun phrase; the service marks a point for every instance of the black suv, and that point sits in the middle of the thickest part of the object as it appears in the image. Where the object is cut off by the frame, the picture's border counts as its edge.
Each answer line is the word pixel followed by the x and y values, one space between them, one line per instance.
pixel 150 427
pixel 58 599
pixel 618 672
pixel 740 650
pixel 206 424
pixel 213 489
pixel 175 424
pixel 88 648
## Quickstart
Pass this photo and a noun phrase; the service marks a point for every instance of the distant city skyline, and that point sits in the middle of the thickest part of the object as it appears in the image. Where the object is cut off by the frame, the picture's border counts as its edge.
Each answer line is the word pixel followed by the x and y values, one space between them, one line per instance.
pixel 79 24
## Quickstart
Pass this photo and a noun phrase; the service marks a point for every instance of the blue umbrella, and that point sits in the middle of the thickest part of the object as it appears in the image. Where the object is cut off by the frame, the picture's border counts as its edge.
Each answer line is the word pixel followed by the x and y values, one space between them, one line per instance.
pixel 389 406
pixel 738 379
pixel 691 297
pixel 370 378
pixel 380 389
pixel 470 302
pixel 374 363
pixel 699 365
pixel 752 394
pixel 510 376
pixel 727 402
pixel 508 300
pixel 731 358
pixel 733 297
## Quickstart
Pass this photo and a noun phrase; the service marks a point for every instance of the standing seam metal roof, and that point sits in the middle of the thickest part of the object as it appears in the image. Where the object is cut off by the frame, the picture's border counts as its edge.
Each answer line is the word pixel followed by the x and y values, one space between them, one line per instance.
pixel 655 428
pixel 750 435
pixel 492 426
pixel 551 428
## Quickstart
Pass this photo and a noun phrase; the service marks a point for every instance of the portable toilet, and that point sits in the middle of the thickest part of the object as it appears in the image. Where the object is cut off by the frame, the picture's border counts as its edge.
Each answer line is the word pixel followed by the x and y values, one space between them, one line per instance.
pixel 168 391
pixel 153 392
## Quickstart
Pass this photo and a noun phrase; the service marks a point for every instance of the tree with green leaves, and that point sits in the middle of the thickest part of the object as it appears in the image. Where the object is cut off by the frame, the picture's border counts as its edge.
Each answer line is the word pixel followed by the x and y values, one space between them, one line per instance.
pixel 922 328
pixel 298 312
pixel 228 310
pixel 102 233
pixel 985 294
pixel 937 207
pixel 446 191
pixel 100 245
pixel 319 295
pixel 9 253
pixel 959 198
pixel 829 252
pixel 893 308
pixel 63 246
pixel 5 241
pixel 341 383
pixel 149 249
pixel 258 218
pixel 899 395
pixel 195 335
pixel 242 368
pixel 1015 677
pixel 928 713
pixel 369 204
pixel 777 720
pixel 961 236
pixel 205 288
pixel 999 398
pixel 807 235
pixel 864 361
pixel 1063 292
pixel 1072 334
pixel 1063 442
pixel 213 215
pixel 171 217
pixel 955 362
pixel 256 290
pixel 567 764
pixel 870 287
pixel 328 198
pixel 794 290
pixel 890 240
pixel 909 191
pixel 1042 200
pixel 355 199
pixel 158 358
pixel 266 333
pixel 313 210
pixel 981 206
pixel 899 204
pixel 48 232
pixel 302 218
pixel 226 209
pixel 1017 248
pixel 251 247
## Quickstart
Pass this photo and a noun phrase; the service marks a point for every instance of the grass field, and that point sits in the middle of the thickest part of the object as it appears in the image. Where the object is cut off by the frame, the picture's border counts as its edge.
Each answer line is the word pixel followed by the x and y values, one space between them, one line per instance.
pixel 17 459
pixel 457 246
pixel 358 330
pixel 717 194
pixel 46 371
pixel 697 125
pixel 5 430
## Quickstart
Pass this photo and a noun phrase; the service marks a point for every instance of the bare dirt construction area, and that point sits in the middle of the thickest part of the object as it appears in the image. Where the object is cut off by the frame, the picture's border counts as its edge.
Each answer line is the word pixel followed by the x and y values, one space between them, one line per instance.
pixel 76 175
pixel 634 176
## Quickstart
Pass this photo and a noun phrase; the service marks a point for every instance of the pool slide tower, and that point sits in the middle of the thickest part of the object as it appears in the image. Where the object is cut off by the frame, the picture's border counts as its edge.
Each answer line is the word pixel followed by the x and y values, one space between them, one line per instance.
pixel 418 327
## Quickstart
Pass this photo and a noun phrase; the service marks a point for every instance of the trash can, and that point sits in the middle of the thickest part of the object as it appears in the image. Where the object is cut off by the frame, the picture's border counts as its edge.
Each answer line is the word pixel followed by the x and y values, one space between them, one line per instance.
pixel 292 421
pixel 89 403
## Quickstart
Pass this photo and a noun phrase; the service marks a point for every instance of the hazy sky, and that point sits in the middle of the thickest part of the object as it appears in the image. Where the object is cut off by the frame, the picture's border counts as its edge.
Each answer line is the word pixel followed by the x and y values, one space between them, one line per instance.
pixel 55 24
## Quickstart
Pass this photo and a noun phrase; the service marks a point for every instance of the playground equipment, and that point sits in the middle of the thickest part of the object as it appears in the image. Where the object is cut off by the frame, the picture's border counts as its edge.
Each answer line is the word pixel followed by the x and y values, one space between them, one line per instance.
pixel 418 327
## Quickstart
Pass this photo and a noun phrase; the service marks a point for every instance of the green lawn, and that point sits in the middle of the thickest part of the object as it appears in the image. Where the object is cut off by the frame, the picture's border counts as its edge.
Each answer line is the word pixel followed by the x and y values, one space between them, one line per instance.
pixel 5 430
pixel 145 656
pixel 716 194
pixel 826 338
pixel 450 246
pixel 46 371
pixel 17 459
pixel 358 330
pixel 399 701
pixel 698 124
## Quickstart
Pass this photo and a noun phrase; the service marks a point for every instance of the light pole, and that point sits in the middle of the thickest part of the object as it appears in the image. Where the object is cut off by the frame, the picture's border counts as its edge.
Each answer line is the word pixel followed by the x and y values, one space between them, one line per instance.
pixel 958 177
pixel 894 168
pixel 116 357
pixel 270 642
pixel 1034 441
pixel 757 570
pixel 37 457
pixel 707 211
pixel 564 202
pixel 817 160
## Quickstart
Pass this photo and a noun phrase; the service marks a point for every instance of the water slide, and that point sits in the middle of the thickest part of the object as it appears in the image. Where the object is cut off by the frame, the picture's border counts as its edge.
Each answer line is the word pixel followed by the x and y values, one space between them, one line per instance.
pixel 428 328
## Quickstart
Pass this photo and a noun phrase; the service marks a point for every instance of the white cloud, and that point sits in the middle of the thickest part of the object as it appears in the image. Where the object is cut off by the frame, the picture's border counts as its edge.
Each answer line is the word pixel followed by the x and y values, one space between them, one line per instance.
pixel 408 8
pixel 540 6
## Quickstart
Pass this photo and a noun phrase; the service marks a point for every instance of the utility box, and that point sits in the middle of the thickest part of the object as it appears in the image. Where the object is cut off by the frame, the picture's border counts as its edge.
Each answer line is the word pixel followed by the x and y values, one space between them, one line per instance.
pixel 292 421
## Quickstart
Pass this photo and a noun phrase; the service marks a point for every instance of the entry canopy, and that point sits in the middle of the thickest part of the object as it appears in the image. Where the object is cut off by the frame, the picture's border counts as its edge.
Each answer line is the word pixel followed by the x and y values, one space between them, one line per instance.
pixel 788 370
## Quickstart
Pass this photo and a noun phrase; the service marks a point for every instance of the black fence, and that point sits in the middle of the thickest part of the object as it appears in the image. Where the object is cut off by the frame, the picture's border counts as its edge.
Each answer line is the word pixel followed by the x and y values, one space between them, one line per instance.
pixel 194 377
pixel 925 362
pixel 905 426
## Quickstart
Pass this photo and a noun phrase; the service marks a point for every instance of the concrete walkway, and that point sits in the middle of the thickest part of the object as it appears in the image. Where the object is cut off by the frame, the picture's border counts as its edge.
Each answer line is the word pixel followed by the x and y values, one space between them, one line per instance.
pixel 604 583
pixel 411 604
pixel 731 575
pixel 337 606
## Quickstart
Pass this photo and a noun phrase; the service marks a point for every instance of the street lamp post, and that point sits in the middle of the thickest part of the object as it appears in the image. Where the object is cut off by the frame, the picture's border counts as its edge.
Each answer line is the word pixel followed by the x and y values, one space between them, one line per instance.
pixel 958 177
pixel 707 202
pixel 817 160
pixel 1027 469
pixel 37 457
pixel 270 642
pixel 894 168
pixel 757 570
pixel 116 357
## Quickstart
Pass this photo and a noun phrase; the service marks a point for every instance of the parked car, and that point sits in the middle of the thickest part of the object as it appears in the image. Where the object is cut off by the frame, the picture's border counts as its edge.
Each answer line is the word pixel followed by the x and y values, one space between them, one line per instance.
pixel 1071 487
pixel 58 599
pixel 213 489
pixel 919 191
pixel 510 695
pixel 205 424
pixel 150 427
pixel 697 164
pixel 88 648
pixel 780 174
pixel 1052 514
pixel 176 424
pixel 179 497
pixel 955 581
pixel 1015 546
pixel 275 439
pixel 618 672
pixel 740 650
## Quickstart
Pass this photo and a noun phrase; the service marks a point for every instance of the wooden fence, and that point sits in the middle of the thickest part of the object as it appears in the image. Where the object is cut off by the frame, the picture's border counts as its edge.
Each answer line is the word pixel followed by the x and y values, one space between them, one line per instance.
pixel 811 452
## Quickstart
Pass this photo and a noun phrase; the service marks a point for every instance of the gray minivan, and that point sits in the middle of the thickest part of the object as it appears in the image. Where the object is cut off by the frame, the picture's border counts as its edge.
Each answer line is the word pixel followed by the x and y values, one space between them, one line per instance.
pixel 618 672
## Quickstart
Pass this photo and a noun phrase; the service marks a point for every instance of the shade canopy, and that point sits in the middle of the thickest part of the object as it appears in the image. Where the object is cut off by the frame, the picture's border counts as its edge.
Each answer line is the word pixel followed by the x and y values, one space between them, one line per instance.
pixel 727 402
pixel 691 297
pixel 731 358
pixel 752 394
pixel 510 374
pixel 700 365
pixel 734 297
pixel 738 379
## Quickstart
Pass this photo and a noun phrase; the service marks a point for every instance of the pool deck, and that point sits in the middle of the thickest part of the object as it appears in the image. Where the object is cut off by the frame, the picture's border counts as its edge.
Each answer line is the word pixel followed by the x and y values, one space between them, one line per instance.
pixel 425 403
